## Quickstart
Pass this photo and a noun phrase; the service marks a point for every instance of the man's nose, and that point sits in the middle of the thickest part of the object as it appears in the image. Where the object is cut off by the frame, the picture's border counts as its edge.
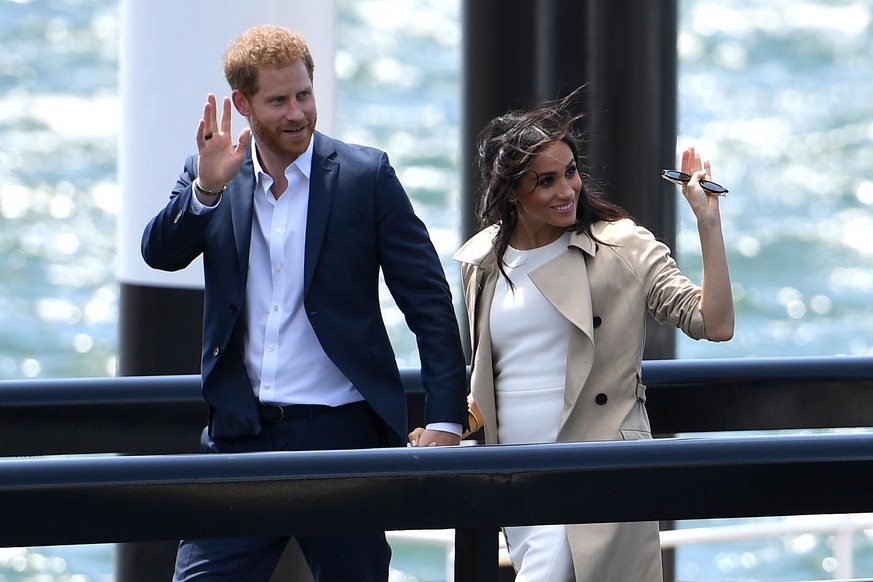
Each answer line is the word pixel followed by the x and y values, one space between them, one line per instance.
pixel 294 111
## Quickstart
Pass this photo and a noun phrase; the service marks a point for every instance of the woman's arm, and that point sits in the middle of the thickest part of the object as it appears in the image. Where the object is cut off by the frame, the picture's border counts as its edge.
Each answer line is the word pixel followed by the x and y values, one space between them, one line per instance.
pixel 717 302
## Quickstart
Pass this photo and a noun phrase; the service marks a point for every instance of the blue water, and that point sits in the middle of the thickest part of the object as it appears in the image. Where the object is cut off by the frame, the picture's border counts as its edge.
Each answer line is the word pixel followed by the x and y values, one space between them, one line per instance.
pixel 775 92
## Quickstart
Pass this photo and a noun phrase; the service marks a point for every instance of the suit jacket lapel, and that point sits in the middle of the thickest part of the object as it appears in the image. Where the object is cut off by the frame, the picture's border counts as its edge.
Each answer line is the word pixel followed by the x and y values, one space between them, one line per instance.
pixel 242 203
pixel 322 188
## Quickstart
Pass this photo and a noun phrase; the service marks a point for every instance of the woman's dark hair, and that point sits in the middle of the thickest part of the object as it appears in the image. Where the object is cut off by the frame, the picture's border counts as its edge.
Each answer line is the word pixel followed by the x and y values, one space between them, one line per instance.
pixel 506 148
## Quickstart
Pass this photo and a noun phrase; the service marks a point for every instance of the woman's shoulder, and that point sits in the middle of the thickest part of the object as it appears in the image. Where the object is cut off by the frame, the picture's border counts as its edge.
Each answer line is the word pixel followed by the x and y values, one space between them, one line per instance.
pixel 477 247
pixel 624 238
pixel 620 232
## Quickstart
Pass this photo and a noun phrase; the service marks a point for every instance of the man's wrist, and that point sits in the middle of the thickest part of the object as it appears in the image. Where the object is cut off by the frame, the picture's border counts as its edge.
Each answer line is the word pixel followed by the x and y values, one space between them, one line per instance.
pixel 207 191
pixel 451 427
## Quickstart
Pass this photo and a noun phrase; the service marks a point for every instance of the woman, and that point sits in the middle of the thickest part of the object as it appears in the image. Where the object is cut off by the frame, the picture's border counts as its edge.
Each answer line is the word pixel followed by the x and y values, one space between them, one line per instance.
pixel 558 286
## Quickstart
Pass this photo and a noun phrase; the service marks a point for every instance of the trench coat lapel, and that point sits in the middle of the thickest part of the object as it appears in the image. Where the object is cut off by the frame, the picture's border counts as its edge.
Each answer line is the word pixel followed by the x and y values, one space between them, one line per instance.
pixel 480 272
pixel 564 283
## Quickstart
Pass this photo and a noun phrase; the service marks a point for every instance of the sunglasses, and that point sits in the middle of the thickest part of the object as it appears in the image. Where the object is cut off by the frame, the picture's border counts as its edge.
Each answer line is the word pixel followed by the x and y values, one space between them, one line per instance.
pixel 682 179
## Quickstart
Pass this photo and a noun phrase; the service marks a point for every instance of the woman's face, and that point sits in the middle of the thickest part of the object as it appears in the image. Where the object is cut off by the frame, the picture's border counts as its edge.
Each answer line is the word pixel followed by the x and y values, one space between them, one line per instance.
pixel 547 196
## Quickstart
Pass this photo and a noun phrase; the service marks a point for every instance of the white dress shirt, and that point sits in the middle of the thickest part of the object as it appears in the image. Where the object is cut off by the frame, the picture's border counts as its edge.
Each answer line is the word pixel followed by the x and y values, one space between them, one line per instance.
pixel 284 359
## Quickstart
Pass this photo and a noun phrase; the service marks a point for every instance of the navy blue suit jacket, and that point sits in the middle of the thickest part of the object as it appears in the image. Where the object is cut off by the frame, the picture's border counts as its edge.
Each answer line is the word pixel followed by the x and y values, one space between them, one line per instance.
pixel 360 220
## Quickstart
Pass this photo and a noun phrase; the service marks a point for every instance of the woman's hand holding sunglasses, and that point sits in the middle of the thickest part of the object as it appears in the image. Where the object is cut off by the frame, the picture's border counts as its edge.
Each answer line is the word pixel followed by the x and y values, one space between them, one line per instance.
pixel 682 179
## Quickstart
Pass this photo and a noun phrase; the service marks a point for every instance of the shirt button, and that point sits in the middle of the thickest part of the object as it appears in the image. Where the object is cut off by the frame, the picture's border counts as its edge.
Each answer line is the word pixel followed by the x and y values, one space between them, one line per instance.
pixel 215 351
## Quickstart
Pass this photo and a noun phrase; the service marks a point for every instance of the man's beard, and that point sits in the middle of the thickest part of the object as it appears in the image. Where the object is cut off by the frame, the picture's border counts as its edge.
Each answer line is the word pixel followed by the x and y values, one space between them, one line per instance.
pixel 276 141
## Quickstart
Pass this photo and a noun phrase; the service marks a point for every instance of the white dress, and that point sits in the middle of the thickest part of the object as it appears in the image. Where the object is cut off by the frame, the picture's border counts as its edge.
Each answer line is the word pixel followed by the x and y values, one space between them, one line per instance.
pixel 529 343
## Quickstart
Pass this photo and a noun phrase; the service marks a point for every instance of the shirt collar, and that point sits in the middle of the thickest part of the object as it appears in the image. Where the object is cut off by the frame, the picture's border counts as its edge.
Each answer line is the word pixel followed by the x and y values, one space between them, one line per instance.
pixel 303 161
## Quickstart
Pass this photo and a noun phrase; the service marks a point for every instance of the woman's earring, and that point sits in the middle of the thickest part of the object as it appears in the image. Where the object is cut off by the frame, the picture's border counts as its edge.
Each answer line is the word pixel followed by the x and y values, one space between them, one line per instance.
pixel 512 200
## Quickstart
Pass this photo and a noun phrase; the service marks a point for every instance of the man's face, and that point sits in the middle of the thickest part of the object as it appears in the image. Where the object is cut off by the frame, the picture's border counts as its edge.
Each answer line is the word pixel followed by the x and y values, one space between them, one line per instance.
pixel 282 113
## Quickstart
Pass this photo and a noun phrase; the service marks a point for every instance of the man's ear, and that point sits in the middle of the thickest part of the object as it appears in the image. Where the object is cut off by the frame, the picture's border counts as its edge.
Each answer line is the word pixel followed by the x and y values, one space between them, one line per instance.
pixel 241 102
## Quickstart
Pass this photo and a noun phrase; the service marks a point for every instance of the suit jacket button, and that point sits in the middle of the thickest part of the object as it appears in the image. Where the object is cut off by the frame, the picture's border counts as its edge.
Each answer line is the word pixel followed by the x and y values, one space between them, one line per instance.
pixel 601 399
pixel 215 351
pixel 231 308
pixel 597 321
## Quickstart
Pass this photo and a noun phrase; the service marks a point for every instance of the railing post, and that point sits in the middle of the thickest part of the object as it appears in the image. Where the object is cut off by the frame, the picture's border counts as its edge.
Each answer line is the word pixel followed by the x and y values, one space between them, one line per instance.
pixel 844 551
pixel 476 554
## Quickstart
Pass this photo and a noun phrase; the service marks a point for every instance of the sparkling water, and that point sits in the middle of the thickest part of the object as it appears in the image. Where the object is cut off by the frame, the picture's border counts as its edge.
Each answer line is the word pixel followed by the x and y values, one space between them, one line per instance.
pixel 774 92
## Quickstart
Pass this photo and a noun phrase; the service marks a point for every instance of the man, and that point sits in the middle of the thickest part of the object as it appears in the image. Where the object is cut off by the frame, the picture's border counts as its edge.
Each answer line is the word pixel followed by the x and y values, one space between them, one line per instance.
pixel 294 227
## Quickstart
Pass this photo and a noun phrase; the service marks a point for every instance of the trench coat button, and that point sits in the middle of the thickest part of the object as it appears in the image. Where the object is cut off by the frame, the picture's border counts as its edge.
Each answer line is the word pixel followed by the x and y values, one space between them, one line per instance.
pixel 601 399
pixel 215 351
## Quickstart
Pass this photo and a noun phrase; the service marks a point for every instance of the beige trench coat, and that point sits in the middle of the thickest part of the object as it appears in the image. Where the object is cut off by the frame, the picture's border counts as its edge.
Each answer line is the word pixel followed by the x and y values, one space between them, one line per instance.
pixel 606 291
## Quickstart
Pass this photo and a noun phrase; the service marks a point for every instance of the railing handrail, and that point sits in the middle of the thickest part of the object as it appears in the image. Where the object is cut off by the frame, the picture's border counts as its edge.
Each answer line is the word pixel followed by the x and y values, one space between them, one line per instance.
pixel 657 374
pixel 175 496
pixel 134 498
pixel 165 414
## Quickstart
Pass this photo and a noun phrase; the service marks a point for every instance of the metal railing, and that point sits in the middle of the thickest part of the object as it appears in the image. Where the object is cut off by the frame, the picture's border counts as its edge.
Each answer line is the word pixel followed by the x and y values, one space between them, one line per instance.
pixel 472 489
pixel 843 527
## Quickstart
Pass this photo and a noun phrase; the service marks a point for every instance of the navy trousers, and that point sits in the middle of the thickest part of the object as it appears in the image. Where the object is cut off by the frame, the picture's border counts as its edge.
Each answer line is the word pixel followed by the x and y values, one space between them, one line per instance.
pixel 361 555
